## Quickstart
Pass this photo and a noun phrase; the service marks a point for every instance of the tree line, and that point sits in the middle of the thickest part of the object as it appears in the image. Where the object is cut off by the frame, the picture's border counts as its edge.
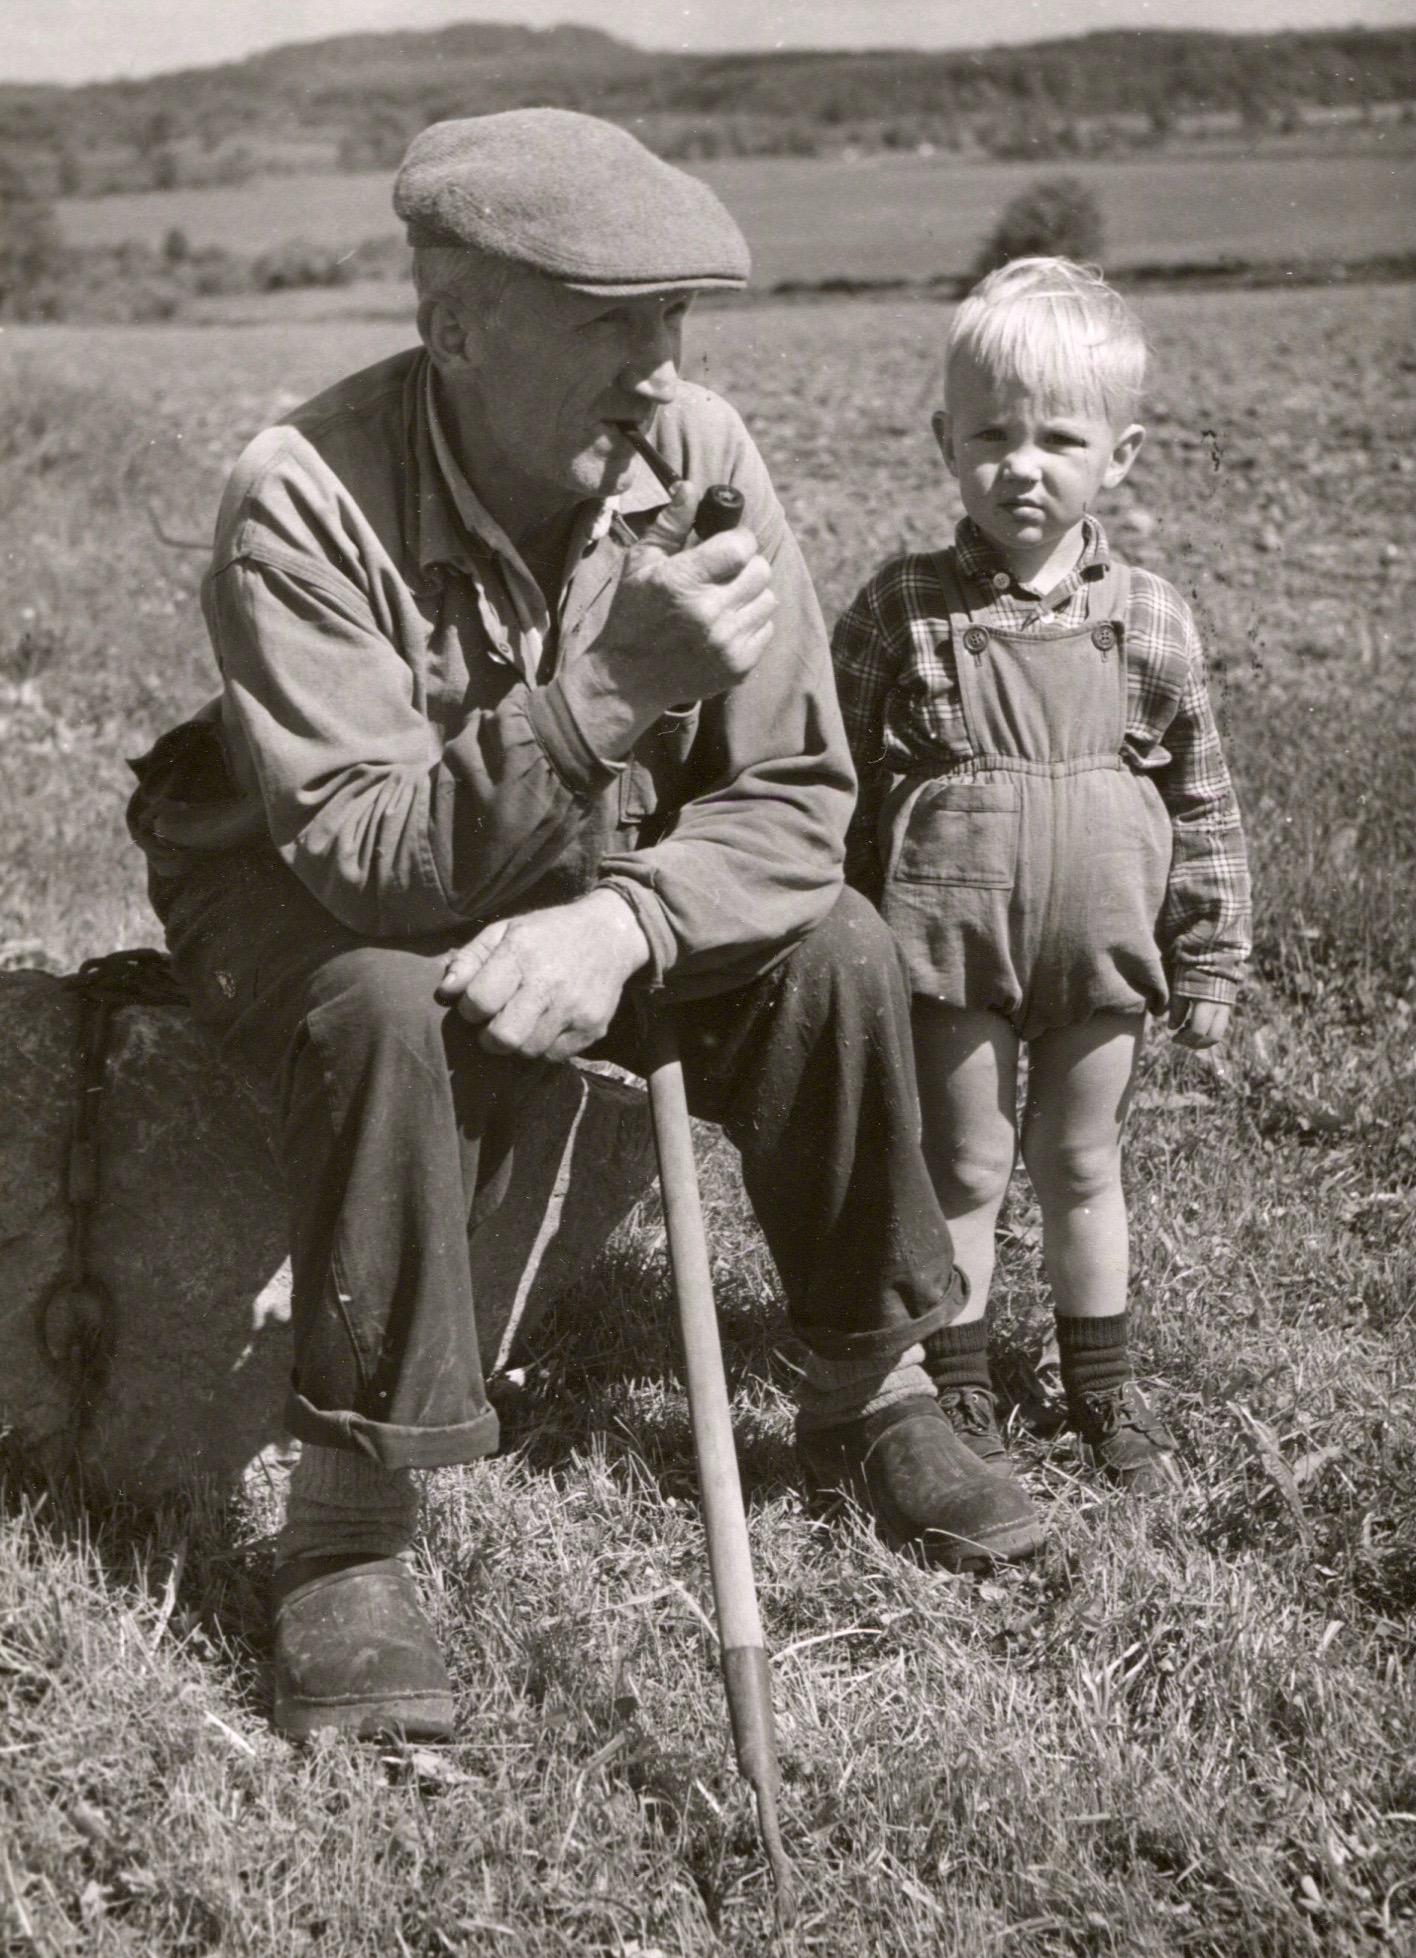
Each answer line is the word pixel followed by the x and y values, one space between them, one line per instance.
pixel 355 101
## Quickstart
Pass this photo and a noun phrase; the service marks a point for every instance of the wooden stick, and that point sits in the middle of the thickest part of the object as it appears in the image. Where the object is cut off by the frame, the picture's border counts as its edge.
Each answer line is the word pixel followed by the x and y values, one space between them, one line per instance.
pixel 744 1654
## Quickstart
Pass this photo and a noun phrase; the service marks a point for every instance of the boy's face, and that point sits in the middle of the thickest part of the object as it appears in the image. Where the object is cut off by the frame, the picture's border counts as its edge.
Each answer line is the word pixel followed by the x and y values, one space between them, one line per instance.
pixel 1028 467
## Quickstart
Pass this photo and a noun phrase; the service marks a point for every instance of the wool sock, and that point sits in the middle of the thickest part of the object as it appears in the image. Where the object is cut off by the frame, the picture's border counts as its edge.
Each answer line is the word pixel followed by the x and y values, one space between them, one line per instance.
pixel 833 1391
pixel 1095 1353
pixel 341 1504
pixel 956 1357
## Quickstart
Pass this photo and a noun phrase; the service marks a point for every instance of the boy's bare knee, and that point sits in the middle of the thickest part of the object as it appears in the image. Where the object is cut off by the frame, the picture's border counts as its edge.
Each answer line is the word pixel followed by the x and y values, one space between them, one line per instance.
pixel 1074 1172
pixel 971 1170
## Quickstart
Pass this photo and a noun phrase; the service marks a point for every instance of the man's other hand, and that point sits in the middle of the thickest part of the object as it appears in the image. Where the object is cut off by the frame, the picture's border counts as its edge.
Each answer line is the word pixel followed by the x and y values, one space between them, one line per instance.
pixel 547 984
pixel 688 621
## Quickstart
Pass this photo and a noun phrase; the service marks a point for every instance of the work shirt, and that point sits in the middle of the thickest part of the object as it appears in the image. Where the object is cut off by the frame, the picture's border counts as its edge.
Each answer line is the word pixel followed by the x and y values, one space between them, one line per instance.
pixel 519 625
pixel 393 696
pixel 897 678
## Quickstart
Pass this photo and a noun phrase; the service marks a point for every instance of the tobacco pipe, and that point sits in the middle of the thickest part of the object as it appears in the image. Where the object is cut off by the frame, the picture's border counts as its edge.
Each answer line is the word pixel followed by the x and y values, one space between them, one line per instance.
pixel 719 508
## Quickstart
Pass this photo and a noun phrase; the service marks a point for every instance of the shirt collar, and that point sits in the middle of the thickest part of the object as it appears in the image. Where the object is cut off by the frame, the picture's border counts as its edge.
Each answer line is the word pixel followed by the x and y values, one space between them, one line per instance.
pixel 980 559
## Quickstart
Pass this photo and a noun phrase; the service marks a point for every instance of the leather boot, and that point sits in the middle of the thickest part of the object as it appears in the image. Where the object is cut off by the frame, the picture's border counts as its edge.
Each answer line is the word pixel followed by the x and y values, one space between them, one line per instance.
pixel 354 1651
pixel 909 1470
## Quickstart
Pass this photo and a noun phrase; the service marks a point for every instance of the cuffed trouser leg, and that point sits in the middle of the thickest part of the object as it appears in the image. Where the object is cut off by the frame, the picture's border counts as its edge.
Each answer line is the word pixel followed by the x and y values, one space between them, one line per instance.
pixel 395 1139
pixel 810 1071
pixel 388 1107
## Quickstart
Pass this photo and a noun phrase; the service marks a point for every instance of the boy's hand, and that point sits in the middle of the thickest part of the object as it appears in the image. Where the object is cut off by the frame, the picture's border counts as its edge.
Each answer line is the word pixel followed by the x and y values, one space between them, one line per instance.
pixel 1198 1022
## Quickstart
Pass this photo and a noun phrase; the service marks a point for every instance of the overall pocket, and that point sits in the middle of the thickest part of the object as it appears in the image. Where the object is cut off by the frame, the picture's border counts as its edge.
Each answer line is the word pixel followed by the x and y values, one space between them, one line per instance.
pixel 954 832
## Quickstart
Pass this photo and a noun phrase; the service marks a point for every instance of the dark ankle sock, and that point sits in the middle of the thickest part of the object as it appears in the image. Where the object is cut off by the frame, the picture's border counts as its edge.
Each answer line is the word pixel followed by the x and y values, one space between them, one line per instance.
pixel 957 1356
pixel 1095 1353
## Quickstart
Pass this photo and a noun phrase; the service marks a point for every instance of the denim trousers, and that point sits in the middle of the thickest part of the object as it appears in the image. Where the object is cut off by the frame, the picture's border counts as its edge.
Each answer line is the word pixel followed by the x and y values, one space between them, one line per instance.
pixel 393 1128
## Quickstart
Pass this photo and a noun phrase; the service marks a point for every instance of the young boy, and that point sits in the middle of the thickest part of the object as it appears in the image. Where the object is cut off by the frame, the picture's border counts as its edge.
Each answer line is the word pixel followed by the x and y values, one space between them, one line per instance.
pixel 1047 822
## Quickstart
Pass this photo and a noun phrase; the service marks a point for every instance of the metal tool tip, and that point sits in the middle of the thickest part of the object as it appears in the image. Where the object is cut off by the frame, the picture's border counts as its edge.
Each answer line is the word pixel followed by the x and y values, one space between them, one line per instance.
pixel 783 1884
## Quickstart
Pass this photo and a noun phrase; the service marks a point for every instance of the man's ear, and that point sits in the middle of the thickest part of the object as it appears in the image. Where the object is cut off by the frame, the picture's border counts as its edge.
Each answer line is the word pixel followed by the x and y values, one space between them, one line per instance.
pixel 448 336
pixel 942 424
pixel 1124 451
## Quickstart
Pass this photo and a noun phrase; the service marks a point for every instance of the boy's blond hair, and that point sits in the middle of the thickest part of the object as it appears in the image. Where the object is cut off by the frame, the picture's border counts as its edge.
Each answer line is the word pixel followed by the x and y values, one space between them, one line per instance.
pixel 1049 326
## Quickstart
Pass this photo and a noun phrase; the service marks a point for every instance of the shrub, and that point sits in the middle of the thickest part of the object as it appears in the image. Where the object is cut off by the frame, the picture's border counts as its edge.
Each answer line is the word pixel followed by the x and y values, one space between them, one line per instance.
pixel 1057 216
pixel 31 255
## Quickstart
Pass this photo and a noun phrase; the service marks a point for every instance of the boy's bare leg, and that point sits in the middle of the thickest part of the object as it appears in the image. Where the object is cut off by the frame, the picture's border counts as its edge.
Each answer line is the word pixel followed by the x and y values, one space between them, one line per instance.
pixel 967 1063
pixel 1079 1091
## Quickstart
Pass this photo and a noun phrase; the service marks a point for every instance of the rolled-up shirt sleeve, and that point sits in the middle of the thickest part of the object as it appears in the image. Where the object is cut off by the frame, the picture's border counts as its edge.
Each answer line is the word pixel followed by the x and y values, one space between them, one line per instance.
pixel 1205 928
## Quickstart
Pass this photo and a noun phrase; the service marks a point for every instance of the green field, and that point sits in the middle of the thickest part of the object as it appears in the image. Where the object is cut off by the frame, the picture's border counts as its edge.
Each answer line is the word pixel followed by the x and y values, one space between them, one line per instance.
pixel 884 216
pixel 1189 1730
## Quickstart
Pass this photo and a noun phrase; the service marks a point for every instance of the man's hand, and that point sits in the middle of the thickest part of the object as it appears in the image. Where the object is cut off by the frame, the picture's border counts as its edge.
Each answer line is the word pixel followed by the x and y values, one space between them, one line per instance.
pixel 547 983
pixel 1198 1022
pixel 688 621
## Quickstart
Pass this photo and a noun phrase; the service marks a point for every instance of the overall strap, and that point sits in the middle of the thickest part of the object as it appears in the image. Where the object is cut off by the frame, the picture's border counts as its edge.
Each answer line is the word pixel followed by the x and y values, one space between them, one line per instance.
pixel 968 642
pixel 1111 596
pixel 956 602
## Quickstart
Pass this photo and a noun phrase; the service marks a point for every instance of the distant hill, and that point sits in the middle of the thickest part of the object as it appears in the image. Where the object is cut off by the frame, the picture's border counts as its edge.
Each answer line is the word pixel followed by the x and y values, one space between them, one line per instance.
pixel 354 101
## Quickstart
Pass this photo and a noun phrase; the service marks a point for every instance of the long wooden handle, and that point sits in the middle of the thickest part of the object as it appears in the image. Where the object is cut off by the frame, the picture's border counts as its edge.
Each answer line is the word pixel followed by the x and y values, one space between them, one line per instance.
pixel 746 1676
pixel 729 1554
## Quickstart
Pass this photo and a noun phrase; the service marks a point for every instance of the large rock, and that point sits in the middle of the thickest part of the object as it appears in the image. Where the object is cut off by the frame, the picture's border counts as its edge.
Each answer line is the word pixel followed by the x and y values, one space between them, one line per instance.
pixel 189 1237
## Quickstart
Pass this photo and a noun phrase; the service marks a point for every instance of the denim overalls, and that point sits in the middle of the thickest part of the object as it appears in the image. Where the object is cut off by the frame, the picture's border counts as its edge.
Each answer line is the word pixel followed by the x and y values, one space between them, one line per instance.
pixel 1030 878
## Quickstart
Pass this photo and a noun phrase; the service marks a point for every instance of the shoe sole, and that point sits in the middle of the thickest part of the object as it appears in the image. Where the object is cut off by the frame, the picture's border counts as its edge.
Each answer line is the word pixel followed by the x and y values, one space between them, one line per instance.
pixel 410 1717
pixel 1010 1543
pixel 1154 1478
pixel 967 1555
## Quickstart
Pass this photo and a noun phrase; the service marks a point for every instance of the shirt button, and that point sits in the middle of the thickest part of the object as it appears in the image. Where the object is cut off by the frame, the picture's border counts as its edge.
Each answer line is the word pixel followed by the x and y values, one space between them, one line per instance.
pixel 1001 581
pixel 1103 638
pixel 975 640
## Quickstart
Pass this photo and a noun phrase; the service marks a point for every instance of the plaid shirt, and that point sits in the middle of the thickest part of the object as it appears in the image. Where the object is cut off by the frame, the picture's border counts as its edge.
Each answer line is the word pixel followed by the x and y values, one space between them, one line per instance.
pixel 899 693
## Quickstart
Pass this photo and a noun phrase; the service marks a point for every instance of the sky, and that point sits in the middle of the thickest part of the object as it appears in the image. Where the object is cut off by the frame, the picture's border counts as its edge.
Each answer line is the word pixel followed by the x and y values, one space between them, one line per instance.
pixel 95 40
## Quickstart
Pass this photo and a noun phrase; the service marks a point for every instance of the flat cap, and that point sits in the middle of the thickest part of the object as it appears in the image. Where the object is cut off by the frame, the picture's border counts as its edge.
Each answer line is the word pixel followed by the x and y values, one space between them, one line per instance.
pixel 576 198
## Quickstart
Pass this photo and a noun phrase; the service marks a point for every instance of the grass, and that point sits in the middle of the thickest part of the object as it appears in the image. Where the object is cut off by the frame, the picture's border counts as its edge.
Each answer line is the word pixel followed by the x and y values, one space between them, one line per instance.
pixel 1186 1729
pixel 881 217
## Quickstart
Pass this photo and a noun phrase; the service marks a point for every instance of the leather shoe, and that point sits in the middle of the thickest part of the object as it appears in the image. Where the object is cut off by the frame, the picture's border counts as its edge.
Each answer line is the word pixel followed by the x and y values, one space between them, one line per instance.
pixel 973 1415
pixel 906 1466
pixel 354 1651
pixel 1126 1439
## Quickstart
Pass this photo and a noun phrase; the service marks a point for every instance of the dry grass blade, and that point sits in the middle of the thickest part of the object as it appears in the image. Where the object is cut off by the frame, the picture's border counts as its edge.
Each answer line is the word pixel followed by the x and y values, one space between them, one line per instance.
pixel 1265 1445
pixel 175 1568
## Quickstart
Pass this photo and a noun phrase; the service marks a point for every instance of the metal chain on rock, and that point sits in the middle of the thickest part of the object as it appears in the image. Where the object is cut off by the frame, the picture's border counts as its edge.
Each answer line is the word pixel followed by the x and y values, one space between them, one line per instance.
pixel 76 1314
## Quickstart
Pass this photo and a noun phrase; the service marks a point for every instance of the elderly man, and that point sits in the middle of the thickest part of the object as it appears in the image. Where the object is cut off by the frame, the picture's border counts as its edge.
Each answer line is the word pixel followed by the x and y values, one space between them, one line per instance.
pixel 500 755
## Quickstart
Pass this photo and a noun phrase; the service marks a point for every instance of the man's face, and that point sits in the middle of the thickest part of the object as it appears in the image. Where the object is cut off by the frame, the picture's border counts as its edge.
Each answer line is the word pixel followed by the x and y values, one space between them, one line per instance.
pixel 543 377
